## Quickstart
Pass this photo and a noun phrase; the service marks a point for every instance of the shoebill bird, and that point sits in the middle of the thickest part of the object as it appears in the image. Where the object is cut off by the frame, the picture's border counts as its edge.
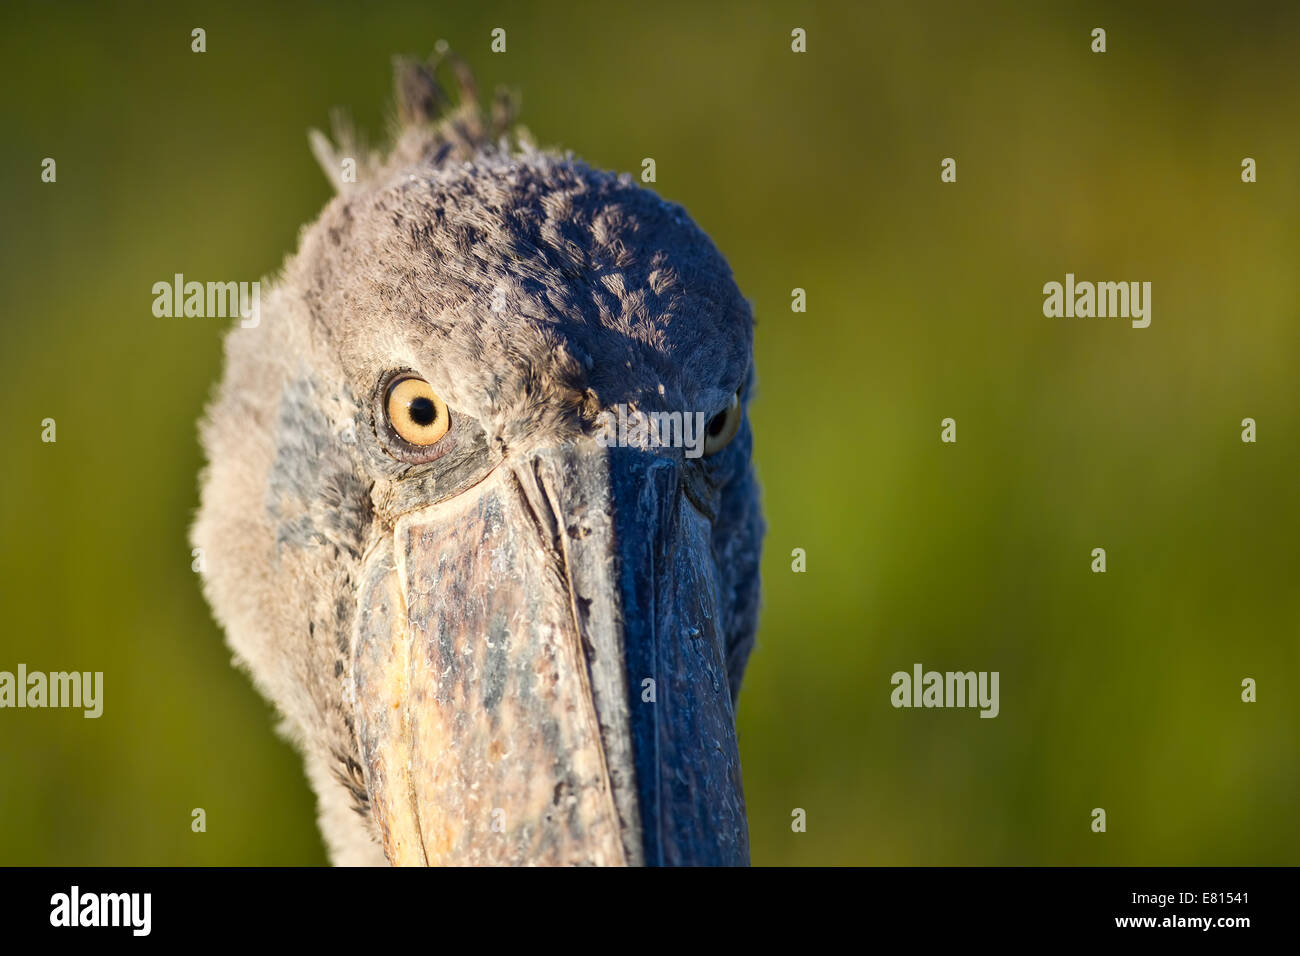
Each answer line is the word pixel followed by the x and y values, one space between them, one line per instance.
pixel 499 631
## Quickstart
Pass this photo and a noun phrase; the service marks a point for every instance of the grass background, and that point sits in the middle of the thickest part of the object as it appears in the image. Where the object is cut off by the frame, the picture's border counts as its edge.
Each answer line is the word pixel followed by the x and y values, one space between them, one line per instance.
pixel 819 171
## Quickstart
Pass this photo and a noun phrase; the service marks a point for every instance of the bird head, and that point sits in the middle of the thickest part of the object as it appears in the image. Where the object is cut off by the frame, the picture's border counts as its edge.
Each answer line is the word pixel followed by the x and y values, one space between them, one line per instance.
pixel 503 615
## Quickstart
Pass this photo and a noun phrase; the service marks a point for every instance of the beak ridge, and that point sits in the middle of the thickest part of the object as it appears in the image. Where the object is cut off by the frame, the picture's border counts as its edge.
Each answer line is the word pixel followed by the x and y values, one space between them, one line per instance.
pixel 500 663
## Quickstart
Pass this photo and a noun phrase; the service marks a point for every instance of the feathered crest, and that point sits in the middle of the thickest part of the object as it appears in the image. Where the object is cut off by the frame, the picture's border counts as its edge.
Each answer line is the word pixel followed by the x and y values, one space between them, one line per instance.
pixel 431 126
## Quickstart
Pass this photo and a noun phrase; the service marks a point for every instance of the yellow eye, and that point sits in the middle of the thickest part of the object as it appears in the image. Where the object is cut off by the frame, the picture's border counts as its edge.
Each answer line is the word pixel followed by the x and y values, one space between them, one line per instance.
pixel 722 427
pixel 415 412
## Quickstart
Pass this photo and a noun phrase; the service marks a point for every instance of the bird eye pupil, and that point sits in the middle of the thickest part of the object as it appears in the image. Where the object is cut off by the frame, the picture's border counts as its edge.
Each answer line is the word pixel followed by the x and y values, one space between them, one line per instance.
pixel 422 411
pixel 717 424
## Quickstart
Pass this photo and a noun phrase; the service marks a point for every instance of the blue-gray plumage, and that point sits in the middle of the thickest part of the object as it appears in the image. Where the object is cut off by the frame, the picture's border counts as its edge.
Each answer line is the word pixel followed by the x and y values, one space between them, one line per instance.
pixel 494 638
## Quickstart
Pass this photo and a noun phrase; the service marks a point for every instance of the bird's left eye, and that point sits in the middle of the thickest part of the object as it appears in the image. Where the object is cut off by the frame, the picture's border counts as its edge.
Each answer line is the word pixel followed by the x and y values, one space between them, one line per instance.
pixel 722 427
pixel 417 414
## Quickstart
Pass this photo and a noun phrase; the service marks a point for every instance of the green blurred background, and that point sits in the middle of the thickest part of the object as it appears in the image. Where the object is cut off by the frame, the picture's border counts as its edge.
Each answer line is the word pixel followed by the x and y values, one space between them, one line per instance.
pixel 819 171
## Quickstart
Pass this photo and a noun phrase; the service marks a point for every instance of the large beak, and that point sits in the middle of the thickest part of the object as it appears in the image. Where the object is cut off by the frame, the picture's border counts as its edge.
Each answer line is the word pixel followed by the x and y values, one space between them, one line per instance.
pixel 540 672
